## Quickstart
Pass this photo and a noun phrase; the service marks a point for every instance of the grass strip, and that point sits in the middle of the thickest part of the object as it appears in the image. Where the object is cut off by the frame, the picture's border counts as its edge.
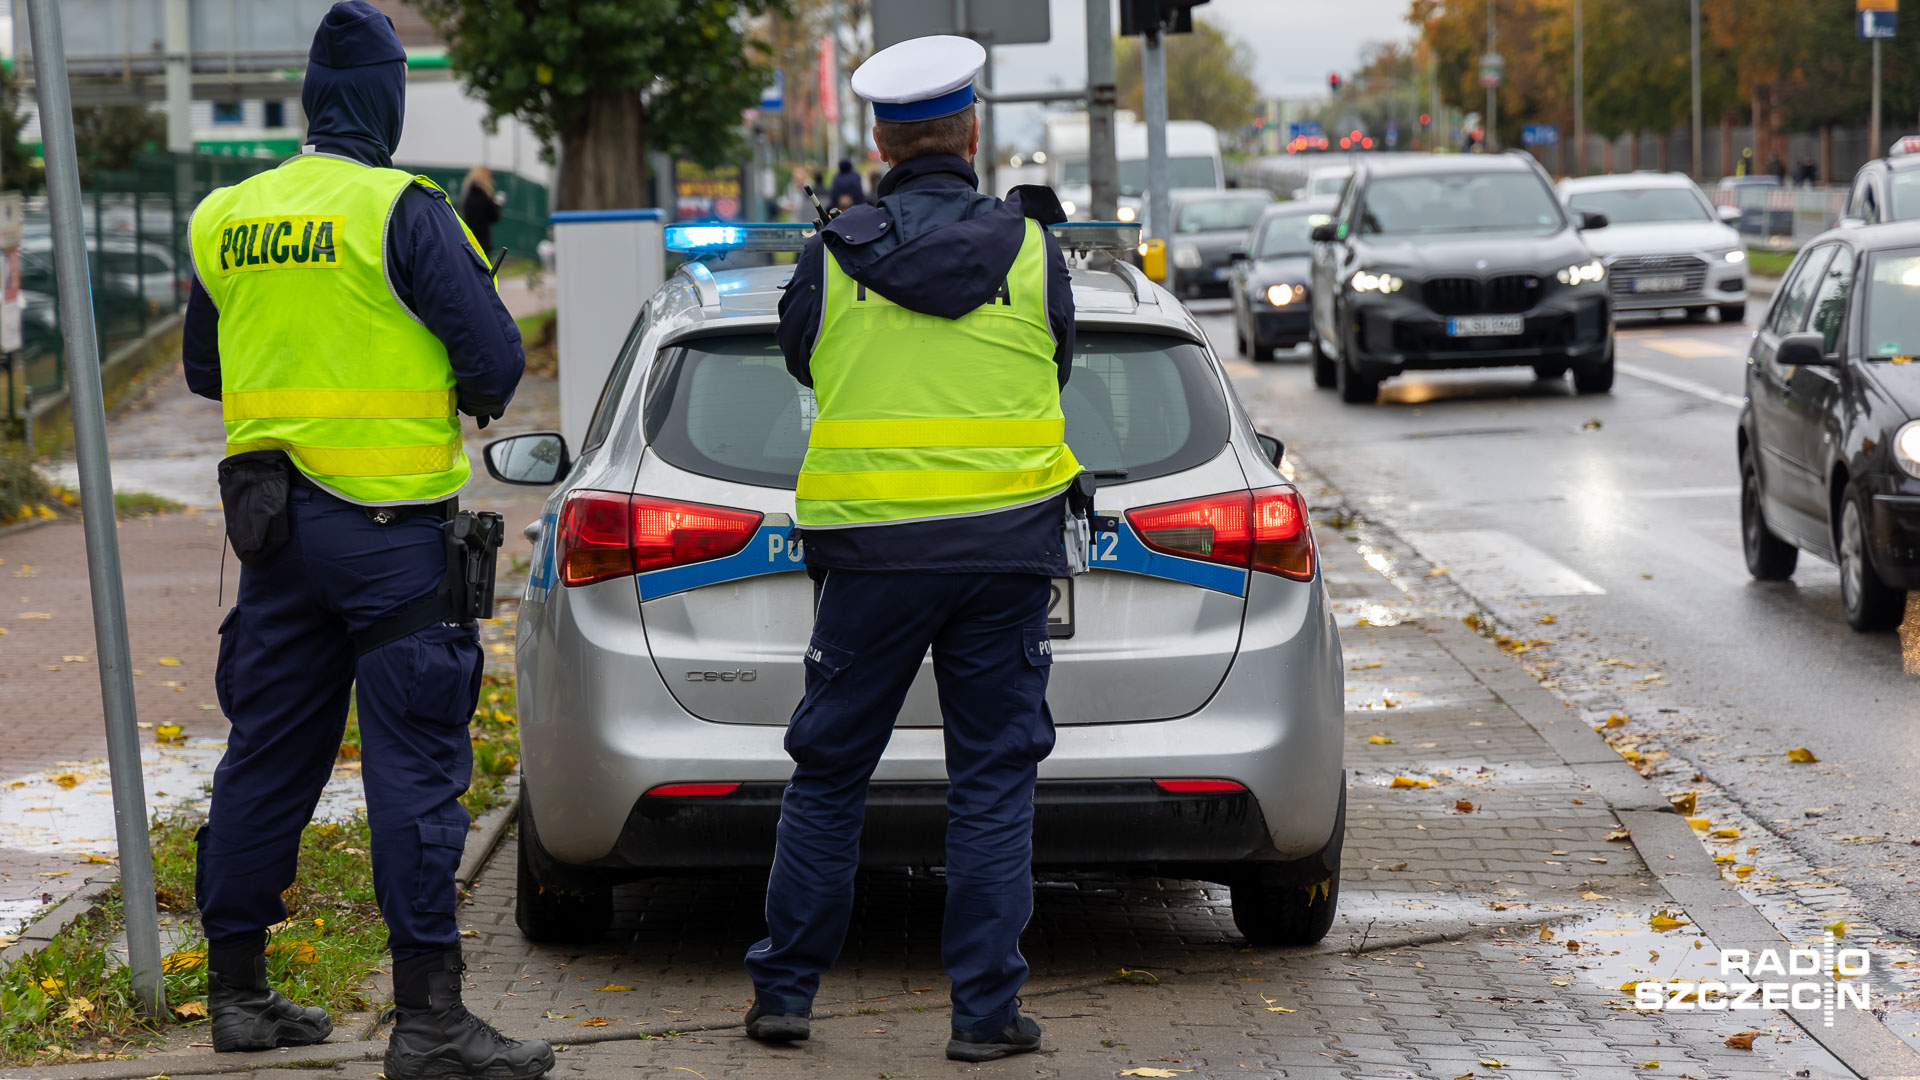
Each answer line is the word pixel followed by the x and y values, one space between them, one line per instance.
pixel 72 1001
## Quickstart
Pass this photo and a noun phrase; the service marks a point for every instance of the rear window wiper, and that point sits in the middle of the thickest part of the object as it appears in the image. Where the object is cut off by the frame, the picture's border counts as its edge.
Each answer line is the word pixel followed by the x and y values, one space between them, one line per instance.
pixel 1109 474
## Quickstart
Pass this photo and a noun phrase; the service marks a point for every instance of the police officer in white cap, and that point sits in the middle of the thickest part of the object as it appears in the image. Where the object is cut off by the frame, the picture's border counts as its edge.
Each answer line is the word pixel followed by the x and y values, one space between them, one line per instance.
pixel 936 329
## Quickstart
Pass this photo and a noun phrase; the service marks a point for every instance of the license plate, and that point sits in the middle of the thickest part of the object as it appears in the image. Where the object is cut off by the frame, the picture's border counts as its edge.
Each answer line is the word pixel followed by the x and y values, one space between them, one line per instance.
pixel 1486 326
pixel 1060 609
pixel 1672 283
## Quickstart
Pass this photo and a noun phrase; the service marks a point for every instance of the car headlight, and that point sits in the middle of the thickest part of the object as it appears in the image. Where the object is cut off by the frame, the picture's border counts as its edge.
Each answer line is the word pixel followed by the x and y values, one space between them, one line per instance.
pixel 1737 255
pixel 1906 448
pixel 1366 281
pixel 1581 273
pixel 1068 207
pixel 1186 256
pixel 1282 295
pixel 1127 213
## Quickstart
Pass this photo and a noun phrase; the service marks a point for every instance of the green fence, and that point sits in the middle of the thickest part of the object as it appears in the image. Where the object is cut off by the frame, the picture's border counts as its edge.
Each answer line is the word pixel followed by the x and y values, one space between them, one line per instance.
pixel 137 250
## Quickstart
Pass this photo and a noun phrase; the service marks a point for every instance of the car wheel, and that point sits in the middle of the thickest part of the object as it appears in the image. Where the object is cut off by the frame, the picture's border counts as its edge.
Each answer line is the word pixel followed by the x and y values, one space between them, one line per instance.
pixel 1870 604
pixel 548 914
pixel 1292 903
pixel 1323 373
pixel 1355 389
pixel 1769 558
pixel 1597 379
pixel 1696 314
pixel 1549 372
pixel 1733 313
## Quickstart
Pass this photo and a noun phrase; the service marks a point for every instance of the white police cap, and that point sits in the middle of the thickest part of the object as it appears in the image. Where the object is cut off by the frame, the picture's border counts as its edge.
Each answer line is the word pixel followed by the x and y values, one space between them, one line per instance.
pixel 922 78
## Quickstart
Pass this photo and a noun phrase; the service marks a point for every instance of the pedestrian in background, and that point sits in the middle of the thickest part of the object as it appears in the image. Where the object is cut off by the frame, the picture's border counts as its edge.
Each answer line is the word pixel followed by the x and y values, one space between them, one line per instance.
pixel 339 391
pixel 848 191
pixel 932 505
pixel 480 206
pixel 1777 169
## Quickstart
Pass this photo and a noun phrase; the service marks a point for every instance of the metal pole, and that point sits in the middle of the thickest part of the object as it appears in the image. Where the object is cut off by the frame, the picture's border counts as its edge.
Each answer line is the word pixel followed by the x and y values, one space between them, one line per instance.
pixel 1434 111
pixel 1873 139
pixel 1493 116
pixel 1103 168
pixel 989 150
pixel 96 503
pixel 1153 64
pixel 179 46
pixel 1693 167
pixel 1579 92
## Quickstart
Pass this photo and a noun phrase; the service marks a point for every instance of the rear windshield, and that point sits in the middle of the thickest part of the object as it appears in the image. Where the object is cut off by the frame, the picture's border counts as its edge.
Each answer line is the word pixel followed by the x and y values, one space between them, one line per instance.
pixel 1138 406
pixel 1637 206
pixel 1220 215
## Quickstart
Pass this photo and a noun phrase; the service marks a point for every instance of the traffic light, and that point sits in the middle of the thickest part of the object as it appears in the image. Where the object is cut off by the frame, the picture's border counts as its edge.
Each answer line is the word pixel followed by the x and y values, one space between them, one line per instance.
pixel 1333 81
pixel 1169 16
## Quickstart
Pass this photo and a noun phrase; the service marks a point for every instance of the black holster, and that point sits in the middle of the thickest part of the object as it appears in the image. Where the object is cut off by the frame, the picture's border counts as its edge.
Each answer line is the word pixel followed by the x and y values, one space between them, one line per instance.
pixel 253 494
pixel 466 592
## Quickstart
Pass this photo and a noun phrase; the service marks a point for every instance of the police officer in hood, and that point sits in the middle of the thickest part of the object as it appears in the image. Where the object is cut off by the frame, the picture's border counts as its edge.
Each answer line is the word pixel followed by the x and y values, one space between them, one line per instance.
pixel 936 330
pixel 341 314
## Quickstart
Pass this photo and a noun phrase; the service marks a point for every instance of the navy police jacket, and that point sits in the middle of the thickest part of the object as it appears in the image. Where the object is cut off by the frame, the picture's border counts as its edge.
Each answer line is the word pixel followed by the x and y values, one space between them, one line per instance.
pixel 944 250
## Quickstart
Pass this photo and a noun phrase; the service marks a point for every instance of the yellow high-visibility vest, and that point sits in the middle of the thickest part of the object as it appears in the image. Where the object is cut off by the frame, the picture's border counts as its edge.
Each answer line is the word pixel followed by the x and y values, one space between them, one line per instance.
pixel 922 417
pixel 318 357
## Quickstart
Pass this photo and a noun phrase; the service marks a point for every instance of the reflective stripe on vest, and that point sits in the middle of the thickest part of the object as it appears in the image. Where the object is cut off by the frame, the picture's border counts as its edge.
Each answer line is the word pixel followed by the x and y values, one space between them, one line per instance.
pixel 921 417
pixel 327 366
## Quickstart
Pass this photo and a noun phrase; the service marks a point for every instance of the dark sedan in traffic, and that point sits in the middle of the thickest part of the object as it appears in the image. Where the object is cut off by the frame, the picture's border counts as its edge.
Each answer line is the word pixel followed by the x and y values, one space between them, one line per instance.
pixel 1209 227
pixel 1269 283
pixel 1456 261
pixel 1829 437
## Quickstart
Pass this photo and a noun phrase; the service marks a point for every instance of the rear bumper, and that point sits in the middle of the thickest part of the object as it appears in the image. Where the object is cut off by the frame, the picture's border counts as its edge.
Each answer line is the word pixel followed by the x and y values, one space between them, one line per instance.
pixel 1077 823
pixel 1729 288
pixel 1281 326
pixel 1200 282
pixel 1395 335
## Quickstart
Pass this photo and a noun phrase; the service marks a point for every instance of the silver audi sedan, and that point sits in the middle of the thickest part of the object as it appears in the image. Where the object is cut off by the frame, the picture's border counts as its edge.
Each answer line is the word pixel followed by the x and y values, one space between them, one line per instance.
pixel 1665 246
pixel 1197 681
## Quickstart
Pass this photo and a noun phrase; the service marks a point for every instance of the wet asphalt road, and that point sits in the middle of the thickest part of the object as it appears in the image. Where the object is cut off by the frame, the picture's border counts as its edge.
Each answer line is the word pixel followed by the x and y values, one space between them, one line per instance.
pixel 1626 533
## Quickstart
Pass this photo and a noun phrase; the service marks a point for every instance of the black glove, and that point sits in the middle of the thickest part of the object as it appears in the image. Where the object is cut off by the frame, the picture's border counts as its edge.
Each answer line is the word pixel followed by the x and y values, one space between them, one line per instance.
pixel 483 412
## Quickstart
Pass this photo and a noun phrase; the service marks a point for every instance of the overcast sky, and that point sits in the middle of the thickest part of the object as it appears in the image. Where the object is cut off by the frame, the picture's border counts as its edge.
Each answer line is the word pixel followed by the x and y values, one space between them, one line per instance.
pixel 1295 43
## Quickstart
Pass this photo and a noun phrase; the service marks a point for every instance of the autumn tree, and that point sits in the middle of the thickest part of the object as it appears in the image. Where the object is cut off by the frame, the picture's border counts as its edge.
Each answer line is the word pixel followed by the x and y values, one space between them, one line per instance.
pixel 1209 77
pixel 606 81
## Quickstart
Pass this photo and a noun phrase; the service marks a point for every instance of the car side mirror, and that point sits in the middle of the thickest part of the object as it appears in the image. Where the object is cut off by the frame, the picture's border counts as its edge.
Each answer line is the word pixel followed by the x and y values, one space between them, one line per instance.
pixel 1852 223
pixel 1729 214
pixel 1805 349
pixel 536 459
pixel 1592 219
pixel 1273 448
pixel 1325 234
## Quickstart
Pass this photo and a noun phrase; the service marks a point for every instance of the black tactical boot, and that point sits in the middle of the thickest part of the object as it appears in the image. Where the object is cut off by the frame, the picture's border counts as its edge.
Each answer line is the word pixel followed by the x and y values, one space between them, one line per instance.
pixel 435 1036
pixel 1020 1036
pixel 247 1013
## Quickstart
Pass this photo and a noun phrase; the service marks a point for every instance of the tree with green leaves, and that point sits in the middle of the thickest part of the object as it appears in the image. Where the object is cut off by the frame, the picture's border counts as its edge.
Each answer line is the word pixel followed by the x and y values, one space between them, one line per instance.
pixel 606 81
pixel 1209 77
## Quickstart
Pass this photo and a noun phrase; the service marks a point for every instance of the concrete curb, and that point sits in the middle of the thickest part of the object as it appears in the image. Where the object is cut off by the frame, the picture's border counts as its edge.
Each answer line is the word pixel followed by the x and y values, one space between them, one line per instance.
pixel 23 526
pixel 1673 854
pixel 43 929
pixel 492 827
pixel 202 1062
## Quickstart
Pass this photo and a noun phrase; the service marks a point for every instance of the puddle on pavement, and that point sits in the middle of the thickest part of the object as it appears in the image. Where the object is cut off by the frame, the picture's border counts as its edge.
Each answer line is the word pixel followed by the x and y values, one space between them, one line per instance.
pixel 68 810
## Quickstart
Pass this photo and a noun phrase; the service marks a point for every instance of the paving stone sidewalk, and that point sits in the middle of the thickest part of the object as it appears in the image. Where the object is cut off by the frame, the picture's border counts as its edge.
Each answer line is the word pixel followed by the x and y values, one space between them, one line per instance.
pixel 1490 941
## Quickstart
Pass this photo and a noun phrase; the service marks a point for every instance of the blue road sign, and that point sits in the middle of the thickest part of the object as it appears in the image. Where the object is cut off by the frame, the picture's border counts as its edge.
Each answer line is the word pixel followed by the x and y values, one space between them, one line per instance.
pixel 773 98
pixel 1307 128
pixel 1393 133
pixel 1878 25
pixel 1540 135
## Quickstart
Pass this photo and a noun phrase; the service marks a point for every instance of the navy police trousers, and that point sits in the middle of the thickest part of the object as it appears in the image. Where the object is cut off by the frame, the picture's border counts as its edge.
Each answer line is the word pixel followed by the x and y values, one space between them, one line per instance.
pixel 284 672
pixel 991 657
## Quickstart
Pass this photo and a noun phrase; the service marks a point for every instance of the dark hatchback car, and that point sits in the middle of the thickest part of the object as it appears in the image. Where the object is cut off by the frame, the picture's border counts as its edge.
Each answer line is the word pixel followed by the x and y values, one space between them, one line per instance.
pixel 1456 261
pixel 1829 438
pixel 1269 283
pixel 1209 227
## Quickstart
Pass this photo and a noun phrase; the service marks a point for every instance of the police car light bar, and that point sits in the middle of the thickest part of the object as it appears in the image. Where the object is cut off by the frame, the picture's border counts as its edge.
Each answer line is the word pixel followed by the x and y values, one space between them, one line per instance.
pixel 715 239
pixel 1909 144
pixel 1097 235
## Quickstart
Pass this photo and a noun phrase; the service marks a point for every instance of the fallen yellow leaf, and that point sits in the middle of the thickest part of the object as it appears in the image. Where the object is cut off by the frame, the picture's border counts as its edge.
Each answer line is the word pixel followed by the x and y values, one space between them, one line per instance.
pixel 1700 824
pixel 297 951
pixel 1619 834
pixel 1148 1070
pixel 1648 1065
pixel 1725 857
pixel 96 859
pixel 168 661
pixel 36 615
pixel 178 962
pixel 1837 929
pixel 611 989
pixel 78 1010
pixel 1741 872
pixel 1546 933
pixel 1801 755
pixel 56 873
pixel 1663 921
pixel 168 733
pixel 73 659
pixel 1380 740
pixel 1463 806
pixel 1410 782
pixel 1439 571
pixel 1368 666
pixel 1725 833
pixel 51 985
pixel 187 1011
pixel 595 1022
pixel 1628 987
pixel 1493 1063
pixel 66 780
pixel 1741 1041
pixel 1685 803
pixel 1617 720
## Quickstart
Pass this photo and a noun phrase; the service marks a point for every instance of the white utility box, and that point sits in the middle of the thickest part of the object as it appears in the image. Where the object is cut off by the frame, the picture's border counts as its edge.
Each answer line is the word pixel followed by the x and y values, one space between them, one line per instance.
pixel 607 263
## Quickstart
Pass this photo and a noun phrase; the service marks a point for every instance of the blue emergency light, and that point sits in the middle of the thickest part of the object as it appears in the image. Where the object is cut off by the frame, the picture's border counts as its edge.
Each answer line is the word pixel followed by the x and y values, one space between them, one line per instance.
pixel 719 239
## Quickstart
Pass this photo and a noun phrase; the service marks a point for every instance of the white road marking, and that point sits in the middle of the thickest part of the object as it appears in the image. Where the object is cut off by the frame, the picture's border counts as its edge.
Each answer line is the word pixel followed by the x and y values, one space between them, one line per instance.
pixel 1241 369
pixel 1685 386
pixel 1690 348
pixel 1492 564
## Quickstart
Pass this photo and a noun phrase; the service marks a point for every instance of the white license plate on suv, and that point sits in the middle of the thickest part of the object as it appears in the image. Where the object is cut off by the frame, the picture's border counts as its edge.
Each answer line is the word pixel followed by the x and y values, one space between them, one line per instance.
pixel 1486 326
pixel 1669 283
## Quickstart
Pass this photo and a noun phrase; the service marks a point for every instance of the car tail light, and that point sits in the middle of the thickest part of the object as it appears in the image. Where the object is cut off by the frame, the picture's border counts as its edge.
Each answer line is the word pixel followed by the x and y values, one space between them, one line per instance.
pixel 605 535
pixel 1266 530
pixel 1199 787
pixel 692 791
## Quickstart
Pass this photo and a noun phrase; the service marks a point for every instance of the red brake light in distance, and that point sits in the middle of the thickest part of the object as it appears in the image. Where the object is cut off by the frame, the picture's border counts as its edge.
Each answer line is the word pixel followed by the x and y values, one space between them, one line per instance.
pixel 607 535
pixel 1199 787
pixel 692 791
pixel 1266 530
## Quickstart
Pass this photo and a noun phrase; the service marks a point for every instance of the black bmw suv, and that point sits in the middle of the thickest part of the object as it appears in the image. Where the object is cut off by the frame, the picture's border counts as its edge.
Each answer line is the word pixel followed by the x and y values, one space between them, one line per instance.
pixel 1456 261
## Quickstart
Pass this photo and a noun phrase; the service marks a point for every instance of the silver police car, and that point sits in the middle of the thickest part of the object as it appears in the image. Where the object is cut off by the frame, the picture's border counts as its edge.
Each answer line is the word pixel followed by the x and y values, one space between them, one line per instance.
pixel 1197 683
